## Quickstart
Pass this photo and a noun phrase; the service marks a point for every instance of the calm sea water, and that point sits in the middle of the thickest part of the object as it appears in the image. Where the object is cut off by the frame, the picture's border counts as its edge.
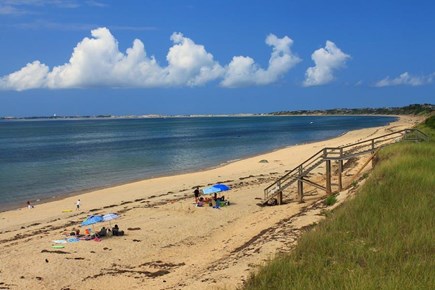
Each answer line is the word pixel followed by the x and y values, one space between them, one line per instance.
pixel 40 160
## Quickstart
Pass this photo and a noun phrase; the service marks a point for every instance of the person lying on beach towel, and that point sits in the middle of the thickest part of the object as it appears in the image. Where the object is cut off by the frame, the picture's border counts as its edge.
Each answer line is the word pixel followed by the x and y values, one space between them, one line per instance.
pixel 73 232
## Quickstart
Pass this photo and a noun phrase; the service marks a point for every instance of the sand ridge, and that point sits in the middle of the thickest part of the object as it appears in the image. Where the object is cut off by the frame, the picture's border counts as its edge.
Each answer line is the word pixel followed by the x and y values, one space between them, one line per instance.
pixel 170 243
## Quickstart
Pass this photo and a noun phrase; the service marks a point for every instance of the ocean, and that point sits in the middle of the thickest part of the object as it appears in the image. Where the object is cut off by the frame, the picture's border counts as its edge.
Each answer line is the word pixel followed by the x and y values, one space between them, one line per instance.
pixel 45 159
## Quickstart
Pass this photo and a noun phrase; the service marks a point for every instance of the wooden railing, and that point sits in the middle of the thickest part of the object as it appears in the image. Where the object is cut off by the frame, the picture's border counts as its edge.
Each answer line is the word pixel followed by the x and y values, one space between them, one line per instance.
pixel 300 172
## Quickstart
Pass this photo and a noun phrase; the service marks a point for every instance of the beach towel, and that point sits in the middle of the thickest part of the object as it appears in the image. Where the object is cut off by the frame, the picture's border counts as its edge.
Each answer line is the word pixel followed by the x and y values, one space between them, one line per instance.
pixel 59 241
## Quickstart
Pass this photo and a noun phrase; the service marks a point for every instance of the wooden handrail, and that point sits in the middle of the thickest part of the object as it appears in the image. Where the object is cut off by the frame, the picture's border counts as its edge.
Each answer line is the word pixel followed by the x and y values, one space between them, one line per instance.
pixel 343 153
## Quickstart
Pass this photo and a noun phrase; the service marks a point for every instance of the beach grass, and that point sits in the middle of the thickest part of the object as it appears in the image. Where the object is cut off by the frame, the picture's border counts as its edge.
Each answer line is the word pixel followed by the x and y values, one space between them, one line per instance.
pixel 384 238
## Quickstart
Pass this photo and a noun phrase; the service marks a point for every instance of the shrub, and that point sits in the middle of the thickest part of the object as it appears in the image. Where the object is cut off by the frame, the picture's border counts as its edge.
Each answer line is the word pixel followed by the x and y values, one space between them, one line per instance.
pixel 330 200
pixel 430 122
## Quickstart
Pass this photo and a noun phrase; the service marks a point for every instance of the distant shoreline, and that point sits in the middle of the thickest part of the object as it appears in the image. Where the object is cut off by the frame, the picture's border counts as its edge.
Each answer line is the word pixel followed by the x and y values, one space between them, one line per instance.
pixel 132 117
pixel 415 109
pixel 84 118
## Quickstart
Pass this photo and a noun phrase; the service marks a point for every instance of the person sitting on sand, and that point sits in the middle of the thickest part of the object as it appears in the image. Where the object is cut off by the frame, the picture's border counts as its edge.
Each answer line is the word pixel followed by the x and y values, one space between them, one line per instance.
pixel 102 232
pixel 87 232
pixel 116 231
pixel 196 193
pixel 215 202
pixel 200 203
pixel 88 235
pixel 29 205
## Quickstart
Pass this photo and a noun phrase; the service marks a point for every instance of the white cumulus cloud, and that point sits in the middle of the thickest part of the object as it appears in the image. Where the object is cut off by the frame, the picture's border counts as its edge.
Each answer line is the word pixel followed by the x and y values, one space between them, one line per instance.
pixel 406 79
pixel 326 61
pixel 189 63
pixel 243 71
pixel 32 76
pixel 96 61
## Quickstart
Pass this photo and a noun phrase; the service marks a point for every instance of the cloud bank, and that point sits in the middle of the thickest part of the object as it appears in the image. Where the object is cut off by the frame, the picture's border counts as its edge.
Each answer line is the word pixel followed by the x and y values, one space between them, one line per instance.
pixel 97 62
pixel 406 79
pixel 326 61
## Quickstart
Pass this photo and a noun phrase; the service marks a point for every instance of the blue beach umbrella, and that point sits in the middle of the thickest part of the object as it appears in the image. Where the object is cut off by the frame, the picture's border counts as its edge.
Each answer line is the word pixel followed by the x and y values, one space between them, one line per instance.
pixel 93 219
pixel 215 188
pixel 110 216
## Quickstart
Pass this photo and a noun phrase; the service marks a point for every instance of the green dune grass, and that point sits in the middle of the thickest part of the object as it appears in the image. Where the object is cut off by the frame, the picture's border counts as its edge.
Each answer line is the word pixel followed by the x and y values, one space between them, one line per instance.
pixel 382 239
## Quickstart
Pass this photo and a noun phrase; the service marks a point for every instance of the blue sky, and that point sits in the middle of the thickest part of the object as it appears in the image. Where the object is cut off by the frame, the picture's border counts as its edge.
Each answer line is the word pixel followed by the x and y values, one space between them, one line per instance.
pixel 213 57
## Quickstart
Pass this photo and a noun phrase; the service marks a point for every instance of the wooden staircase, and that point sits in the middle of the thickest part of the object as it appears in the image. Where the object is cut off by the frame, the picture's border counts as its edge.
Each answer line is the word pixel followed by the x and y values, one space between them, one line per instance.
pixel 299 174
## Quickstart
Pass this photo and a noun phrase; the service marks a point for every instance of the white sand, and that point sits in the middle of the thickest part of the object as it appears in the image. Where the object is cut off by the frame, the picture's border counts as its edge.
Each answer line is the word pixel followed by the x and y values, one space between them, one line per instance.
pixel 175 245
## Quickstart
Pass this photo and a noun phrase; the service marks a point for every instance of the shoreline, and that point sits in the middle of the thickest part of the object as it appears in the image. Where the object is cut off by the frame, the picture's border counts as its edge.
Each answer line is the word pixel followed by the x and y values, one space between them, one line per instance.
pixel 82 193
pixel 170 243
pixel 40 201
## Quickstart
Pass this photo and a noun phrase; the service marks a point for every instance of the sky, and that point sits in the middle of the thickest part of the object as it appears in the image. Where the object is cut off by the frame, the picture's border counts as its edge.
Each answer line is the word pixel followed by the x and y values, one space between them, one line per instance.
pixel 171 57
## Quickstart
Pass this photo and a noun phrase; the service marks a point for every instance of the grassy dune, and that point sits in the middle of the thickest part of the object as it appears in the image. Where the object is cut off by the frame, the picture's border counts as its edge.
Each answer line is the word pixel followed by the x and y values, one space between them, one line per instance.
pixel 382 239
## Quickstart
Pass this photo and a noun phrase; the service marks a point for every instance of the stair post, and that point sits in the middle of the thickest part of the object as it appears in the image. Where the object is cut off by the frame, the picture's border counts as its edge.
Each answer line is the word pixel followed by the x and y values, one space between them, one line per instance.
pixel 328 173
pixel 373 152
pixel 301 191
pixel 340 171
pixel 300 186
pixel 279 197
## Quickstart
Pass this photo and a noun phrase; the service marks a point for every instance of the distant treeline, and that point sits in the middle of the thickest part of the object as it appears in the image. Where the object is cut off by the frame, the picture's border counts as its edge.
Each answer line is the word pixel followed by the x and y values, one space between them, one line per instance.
pixel 56 117
pixel 415 109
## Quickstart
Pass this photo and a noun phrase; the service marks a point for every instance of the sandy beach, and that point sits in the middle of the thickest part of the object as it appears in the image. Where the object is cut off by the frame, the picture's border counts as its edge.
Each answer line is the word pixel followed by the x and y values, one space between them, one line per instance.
pixel 169 243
